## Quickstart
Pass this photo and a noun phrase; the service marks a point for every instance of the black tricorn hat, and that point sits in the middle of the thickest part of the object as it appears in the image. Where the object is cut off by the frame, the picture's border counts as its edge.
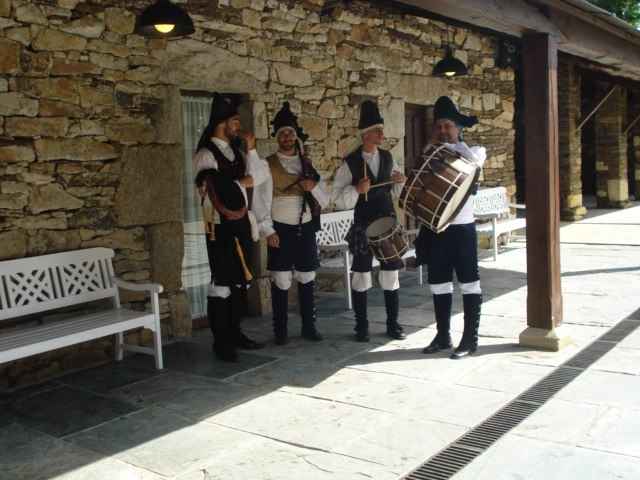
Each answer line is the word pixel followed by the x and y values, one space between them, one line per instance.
pixel 222 109
pixel 286 118
pixel 445 108
pixel 369 115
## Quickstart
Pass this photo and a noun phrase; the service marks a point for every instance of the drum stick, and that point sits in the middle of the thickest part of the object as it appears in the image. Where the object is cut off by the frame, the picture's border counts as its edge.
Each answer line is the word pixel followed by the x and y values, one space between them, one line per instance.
pixel 382 184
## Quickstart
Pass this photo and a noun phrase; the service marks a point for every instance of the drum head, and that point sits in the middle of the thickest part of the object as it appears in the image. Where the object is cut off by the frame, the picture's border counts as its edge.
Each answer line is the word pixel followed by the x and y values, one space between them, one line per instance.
pixel 380 227
pixel 457 201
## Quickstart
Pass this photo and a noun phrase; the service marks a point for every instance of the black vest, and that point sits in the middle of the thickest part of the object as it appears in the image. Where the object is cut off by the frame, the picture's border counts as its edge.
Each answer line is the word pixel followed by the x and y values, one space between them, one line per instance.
pixel 379 202
pixel 228 172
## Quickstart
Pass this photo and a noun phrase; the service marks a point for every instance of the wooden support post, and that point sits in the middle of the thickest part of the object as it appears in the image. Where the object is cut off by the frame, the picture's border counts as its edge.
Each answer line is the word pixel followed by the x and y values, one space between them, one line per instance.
pixel 544 299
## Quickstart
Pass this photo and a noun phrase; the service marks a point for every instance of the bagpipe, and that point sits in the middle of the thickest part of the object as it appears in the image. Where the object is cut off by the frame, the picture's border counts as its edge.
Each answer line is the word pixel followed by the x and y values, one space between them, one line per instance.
pixel 226 196
pixel 309 202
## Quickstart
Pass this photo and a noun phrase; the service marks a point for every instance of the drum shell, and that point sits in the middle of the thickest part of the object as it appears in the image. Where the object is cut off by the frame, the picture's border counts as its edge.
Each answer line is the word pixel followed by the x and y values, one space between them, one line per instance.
pixel 390 245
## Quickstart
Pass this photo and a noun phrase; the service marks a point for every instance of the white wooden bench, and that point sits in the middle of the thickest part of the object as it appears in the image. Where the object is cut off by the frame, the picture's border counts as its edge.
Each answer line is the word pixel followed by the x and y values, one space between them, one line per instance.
pixel 493 209
pixel 41 284
pixel 331 238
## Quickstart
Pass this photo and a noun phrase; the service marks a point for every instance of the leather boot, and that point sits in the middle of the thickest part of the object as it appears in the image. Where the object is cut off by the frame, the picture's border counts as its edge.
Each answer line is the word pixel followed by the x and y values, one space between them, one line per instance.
pixel 442 341
pixel 219 316
pixel 360 310
pixel 238 310
pixel 392 305
pixel 307 304
pixel 280 305
pixel 469 343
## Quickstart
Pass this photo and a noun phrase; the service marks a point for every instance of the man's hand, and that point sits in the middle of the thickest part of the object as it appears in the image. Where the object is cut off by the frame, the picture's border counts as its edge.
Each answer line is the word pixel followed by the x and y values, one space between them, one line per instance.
pixel 246 181
pixel 307 184
pixel 250 139
pixel 273 240
pixel 363 185
pixel 234 214
pixel 398 177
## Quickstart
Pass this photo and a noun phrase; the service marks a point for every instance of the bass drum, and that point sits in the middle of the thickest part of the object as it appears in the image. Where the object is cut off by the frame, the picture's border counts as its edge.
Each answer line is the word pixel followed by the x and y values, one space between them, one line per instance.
pixel 434 193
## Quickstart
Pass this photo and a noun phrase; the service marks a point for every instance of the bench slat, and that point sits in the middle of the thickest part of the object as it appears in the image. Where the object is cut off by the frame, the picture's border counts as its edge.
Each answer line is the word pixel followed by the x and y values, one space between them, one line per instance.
pixel 71 331
pixel 71 326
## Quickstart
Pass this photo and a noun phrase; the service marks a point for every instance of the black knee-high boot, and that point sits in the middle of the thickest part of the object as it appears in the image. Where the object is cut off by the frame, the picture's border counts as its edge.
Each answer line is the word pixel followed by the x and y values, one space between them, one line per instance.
pixel 392 305
pixel 469 342
pixel 238 310
pixel 279 305
pixel 307 304
pixel 360 310
pixel 442 306
pixel 219 316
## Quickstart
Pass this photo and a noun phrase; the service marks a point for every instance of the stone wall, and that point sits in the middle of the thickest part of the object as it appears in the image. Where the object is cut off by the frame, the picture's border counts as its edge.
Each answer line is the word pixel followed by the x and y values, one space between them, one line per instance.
pixel 90 114
pixel 611 151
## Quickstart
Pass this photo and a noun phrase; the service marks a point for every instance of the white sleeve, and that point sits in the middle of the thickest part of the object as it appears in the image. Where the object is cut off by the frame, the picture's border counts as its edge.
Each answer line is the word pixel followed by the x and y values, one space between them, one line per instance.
pixel 203 160
pixel 477 155
pixel 262 203
pixel 345 195
pixel 320 193
pixel 257 168
pixel 396 190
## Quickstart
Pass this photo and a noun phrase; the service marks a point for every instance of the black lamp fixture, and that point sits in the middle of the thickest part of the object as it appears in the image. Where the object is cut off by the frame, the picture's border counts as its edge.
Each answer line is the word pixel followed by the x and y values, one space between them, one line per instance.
pixel 449 66
pixel 163 19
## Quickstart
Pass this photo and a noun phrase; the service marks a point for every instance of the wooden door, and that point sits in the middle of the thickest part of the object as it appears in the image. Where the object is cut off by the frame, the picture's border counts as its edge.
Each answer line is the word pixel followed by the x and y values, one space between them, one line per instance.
pixel 417 124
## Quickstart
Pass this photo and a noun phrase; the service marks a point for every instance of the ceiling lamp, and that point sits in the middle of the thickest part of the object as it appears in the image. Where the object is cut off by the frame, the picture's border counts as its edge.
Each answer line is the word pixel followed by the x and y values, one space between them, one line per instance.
pixel 164 19
pixel 450 66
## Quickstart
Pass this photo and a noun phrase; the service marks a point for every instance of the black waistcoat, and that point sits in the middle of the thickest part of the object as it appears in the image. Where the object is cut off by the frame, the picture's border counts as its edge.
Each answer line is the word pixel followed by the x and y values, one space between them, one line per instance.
pixel 228 173
pixel 379 202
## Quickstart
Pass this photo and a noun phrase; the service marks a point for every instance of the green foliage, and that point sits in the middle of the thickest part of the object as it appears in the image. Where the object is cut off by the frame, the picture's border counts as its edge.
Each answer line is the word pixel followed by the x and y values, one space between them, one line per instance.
pixel 628 10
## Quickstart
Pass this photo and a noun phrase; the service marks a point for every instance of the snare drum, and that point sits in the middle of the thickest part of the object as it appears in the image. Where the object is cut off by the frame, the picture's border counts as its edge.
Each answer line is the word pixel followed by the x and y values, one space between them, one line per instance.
pixel 387 240
pixel 435 192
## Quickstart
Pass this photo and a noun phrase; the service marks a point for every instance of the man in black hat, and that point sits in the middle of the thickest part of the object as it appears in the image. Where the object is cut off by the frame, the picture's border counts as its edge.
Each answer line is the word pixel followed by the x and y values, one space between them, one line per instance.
pixel 369 164
pixel 456 248
pixel 290 204
pixel 224 172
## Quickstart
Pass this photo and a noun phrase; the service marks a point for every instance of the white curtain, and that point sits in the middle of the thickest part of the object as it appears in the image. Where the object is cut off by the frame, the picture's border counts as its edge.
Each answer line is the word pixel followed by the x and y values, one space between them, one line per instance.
pixel 195 266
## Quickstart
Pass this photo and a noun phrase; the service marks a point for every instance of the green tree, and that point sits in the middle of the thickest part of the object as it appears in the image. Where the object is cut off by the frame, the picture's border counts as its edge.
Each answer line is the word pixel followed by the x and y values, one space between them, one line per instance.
pixel 628 10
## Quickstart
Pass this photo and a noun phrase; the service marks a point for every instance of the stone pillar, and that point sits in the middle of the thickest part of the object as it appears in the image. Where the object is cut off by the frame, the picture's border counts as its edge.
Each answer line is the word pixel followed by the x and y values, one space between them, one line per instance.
pixel 611 151
pixel 569 97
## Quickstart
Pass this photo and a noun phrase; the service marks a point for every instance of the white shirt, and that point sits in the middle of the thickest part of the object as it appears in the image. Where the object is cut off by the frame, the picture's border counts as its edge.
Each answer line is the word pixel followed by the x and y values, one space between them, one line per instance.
pixel 477 155
pixel 345 194
pixel 255 166
pixel 284 209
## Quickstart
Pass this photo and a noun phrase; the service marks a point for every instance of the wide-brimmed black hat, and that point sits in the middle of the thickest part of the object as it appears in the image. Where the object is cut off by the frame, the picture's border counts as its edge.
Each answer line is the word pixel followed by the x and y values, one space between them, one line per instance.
pixel 222 109
pixel 369 116
pixel 285 118
pixel 445 108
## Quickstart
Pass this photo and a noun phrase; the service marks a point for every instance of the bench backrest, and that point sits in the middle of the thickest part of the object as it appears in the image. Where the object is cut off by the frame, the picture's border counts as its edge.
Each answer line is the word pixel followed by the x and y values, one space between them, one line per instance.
pixel 333 228
pixel 491 201
pixel 36 284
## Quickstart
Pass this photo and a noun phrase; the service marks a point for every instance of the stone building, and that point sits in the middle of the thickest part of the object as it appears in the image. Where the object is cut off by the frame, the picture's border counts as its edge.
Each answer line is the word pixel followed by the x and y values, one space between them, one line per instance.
pixel 97 124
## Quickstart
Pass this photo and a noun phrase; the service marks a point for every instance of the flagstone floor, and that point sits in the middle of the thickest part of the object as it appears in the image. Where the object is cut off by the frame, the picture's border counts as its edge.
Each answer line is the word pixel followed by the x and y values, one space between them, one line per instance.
pixel 344 410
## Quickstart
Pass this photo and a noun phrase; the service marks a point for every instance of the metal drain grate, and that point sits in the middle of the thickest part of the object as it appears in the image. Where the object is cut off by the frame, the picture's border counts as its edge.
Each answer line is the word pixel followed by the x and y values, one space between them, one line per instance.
pixel 449 461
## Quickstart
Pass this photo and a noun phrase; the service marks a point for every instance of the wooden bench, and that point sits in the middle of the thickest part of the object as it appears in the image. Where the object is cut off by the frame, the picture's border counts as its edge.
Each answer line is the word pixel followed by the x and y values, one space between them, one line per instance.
pixel 331 238
pixel 42 284
pixel 493 212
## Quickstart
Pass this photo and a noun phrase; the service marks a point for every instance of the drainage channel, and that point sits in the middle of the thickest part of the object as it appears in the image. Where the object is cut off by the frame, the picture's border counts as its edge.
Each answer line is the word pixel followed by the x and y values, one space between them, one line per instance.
pixel 449 461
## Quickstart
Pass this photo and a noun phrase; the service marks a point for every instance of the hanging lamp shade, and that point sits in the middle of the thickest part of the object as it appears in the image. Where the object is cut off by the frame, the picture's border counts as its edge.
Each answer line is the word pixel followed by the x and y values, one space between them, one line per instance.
pixel 450 67
pixel 164 19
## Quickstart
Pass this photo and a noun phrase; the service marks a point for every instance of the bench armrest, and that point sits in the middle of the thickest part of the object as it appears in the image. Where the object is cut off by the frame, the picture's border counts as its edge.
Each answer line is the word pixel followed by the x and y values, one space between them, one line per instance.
pixel 518 206
pixel 138 287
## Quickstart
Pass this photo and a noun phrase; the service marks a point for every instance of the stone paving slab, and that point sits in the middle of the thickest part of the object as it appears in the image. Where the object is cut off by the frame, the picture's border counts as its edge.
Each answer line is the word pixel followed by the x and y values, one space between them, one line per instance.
pixel 64 410
pixel 270 460
pixel 27 454
pixel 516 457
pixel 161 441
